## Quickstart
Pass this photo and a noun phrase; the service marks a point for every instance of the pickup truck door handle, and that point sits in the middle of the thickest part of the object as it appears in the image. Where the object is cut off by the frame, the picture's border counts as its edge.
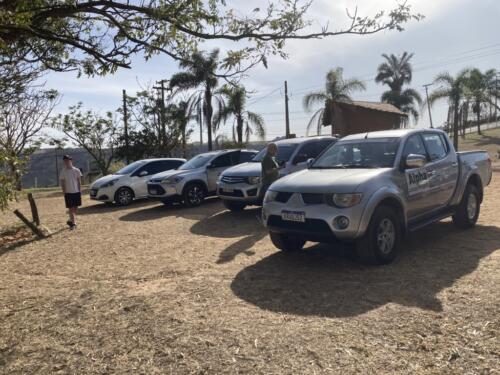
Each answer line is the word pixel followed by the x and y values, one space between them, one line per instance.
pixel 431 173
pixel 454 164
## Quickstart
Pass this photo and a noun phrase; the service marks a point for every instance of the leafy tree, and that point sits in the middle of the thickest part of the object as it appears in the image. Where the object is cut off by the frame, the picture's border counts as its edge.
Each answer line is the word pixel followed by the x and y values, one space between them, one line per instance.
pixel 21 123
pixel 153 127
pixel 99 36
pixel 452 89
pixel 244 121
pixel 395 72
pixel 200 71
pixel 95 133
pixel 7 180
pixel 337 89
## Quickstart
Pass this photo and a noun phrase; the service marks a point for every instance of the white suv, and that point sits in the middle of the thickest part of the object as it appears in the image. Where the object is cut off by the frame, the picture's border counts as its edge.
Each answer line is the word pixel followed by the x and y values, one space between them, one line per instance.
pixel 131 181
pixel 197 178
pixel 238 187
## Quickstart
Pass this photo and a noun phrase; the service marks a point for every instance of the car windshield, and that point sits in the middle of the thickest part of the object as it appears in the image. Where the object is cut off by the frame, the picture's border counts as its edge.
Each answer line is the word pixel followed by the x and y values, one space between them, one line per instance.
pixel 197 162
pixel 131 167
pixel 285 151
pixel 360 153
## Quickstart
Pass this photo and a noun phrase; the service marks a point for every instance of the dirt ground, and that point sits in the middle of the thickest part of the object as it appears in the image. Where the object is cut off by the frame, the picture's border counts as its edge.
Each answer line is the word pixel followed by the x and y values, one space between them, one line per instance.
pixel 150 289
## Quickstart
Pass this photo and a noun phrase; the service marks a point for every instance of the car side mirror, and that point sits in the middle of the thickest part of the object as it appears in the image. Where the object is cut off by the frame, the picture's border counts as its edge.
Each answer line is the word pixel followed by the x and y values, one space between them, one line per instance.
pixel 415 161
pixel 310 162
pixel 300 158
pixel 143 173
pixel 210 166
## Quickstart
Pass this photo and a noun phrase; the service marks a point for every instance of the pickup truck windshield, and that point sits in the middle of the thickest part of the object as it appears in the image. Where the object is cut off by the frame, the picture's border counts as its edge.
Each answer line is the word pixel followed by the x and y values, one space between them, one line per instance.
pixel 197 162
pixel 131 167
pixel 359 153
pixel 285 151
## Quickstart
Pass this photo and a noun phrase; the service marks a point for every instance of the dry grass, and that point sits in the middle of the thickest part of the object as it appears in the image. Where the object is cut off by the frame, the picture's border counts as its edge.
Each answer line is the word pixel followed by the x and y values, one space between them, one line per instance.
pixel 489 141
pixel 155 290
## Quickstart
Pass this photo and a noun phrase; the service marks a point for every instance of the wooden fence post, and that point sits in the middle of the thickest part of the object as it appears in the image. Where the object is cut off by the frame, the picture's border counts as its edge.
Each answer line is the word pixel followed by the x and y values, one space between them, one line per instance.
pixel 30 225
pixel 34 209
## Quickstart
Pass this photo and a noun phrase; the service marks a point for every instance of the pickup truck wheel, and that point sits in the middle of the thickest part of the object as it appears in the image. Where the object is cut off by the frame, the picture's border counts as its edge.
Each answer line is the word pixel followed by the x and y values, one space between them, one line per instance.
pixel 287 242
pixel 193 195
pixel 380 244
pixel 233 205
pixel 124 196
pixel 468 210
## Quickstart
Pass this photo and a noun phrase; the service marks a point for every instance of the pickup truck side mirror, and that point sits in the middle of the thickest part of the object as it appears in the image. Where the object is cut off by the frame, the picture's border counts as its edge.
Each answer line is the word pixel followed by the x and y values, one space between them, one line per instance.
pixel 300 158
pixel 310 162
pixel 415 161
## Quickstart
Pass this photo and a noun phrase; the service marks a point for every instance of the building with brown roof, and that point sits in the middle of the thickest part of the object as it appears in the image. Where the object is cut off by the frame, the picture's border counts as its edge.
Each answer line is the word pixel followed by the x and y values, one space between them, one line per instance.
pixel 359 117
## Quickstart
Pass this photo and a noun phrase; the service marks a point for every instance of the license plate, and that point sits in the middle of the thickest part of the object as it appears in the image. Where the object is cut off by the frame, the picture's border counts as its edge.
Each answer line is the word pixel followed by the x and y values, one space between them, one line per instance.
pixel 153 191
pixel 298 216
pixel 227 190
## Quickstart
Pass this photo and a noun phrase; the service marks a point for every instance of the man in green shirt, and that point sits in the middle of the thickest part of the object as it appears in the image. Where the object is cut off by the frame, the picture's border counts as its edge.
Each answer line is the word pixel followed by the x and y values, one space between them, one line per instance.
pixel 270 169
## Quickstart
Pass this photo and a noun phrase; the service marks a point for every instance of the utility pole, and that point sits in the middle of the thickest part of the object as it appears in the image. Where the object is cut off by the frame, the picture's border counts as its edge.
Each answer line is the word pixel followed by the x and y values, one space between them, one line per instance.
pixel 287 115
pixel 125 126
pixel 428 104
pixel 163 132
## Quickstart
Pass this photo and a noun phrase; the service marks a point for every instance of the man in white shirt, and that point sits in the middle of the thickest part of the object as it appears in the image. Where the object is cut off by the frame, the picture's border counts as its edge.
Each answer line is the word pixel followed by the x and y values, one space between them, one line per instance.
pixel 71 184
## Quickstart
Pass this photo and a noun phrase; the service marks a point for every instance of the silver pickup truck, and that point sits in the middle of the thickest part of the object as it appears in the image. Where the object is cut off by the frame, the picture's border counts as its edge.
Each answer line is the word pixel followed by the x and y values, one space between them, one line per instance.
pixel 372 188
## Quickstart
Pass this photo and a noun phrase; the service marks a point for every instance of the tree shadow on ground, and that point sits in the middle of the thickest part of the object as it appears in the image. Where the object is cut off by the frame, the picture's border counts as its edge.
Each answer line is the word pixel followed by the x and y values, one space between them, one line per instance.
pixel 157 210
pixel 4 249
pixel 227 224
pixel 320 282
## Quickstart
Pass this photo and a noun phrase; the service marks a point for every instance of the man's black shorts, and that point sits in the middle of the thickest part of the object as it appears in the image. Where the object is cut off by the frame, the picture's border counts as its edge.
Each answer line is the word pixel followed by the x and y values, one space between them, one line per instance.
pixel 73 199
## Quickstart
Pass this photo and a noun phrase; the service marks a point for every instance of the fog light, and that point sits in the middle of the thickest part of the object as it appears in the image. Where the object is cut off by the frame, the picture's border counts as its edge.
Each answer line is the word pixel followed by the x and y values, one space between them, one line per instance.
pixel 342 222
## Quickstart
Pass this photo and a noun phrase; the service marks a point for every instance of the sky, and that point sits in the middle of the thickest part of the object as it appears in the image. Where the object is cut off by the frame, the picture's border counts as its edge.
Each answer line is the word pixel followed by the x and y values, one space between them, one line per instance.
pixel 455 34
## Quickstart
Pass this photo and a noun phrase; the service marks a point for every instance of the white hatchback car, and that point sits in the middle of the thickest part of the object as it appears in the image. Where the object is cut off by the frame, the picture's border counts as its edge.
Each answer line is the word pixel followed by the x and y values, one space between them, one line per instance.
pixel 130 182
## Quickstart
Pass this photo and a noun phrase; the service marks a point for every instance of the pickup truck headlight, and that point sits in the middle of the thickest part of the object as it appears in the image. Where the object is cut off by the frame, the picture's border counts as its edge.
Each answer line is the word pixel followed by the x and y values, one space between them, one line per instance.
pixel 270 196
pixel 172 180
pixel 343 200
pixel 109 183
pixel 254 180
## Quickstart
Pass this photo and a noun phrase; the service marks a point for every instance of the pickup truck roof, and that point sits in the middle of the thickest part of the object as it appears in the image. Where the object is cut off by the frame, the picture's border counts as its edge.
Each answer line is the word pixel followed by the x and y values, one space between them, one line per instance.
pixel 396 133
pixel 304 139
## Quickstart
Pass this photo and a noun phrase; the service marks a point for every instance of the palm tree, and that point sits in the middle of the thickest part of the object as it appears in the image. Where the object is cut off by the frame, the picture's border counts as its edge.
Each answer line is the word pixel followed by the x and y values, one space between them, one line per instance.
pixel 490 77
pixel 395 72
pixel 453 89
pixel 200 71
pixel 337 89
pixel 476 89
pixel 179 115
pixel 244 121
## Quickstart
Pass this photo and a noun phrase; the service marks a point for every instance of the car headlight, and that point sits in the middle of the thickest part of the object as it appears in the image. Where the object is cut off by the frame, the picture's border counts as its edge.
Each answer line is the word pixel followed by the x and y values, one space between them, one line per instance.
pixel 254 180
pixel 172 180
pixel 344 200
pixel 270 196
pixel 109 183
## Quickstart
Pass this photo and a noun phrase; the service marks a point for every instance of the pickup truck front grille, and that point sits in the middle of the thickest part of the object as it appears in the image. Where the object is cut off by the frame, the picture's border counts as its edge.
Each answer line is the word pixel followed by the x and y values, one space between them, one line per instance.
pixel 232 179
pixel 313 198
pixel 283 197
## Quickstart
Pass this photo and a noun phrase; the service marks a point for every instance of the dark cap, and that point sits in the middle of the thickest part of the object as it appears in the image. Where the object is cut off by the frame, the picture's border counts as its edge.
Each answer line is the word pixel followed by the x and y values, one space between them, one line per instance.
pixel 67 157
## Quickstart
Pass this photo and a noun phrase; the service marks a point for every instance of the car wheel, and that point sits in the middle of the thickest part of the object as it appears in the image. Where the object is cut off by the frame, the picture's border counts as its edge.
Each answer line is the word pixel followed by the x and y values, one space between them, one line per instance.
pixel 124 196
pixel 380 244
pixel 467 211
pixel 233 205
pixel 287 242
pixel 193 195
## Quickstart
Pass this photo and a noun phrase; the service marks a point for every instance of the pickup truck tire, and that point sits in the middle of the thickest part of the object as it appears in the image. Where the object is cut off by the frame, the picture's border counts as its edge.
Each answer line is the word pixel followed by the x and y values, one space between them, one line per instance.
pixel 468 210
pixel 233 205
pixel 124 196
pixel 287 242
pixel 193 194
pixel 380 244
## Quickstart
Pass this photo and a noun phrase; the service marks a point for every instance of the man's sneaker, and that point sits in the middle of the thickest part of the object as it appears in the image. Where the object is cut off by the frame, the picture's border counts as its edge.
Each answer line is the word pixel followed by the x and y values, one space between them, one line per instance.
pixel 72 226
pixel 69 223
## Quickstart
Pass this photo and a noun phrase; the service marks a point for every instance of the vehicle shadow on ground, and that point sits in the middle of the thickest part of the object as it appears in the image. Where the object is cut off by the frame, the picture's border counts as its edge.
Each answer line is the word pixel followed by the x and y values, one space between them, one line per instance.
pixel 100 207
pixel 320 282
pixel 227 224
pixel 157 210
